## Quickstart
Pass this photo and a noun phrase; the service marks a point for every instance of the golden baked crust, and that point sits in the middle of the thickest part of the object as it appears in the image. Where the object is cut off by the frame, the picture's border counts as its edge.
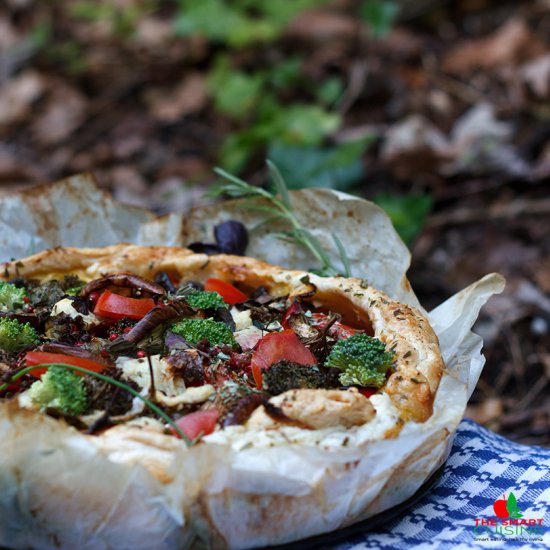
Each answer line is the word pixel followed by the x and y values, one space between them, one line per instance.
pixel 404 329
pixel 209 491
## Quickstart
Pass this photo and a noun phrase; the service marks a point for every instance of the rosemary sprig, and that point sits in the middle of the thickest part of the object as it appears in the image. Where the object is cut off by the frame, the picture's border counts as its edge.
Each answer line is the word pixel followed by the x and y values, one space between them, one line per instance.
pixel 109 380
pixel 281 209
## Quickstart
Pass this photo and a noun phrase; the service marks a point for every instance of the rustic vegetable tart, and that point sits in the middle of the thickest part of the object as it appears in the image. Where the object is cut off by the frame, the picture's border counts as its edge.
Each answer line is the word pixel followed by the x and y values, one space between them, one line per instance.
pixel 134 348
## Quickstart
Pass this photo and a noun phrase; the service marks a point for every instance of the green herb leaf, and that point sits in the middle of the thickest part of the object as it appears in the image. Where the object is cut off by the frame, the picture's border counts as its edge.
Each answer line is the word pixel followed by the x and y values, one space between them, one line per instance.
pixel 279 183
pixel 343 254
pixel 512 507
pixel 280 207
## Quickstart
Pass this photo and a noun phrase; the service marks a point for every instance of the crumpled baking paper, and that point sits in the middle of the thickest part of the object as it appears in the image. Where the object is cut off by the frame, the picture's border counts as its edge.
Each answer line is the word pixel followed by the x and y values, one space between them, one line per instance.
pixel 59 489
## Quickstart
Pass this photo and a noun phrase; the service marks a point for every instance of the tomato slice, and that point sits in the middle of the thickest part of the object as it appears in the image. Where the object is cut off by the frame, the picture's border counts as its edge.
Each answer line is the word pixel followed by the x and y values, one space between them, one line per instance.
pixel 40 357
pixel 114 306
pixel 367 392
pixel 197 423
pixel 337 330
pixel 11 387
pixel 292 309
pixel 227 291
pixel 277 346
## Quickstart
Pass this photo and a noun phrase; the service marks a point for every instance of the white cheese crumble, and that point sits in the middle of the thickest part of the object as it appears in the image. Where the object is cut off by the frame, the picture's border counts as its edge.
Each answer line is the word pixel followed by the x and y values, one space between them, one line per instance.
pixel 66 306
pixel 169 390
pixel 242 319
pixel 137 370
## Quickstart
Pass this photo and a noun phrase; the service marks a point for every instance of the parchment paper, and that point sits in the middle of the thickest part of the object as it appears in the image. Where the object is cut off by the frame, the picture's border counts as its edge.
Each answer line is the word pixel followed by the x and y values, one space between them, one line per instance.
pixel 220 492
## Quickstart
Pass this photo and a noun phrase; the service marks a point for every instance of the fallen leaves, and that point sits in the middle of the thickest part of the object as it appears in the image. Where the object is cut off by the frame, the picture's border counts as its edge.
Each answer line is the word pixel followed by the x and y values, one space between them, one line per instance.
pixel 414 145
pixel 478 143
pixel 186 97
pixel 18 96
pixel 64 111
pixel 510 44
pixel 536 76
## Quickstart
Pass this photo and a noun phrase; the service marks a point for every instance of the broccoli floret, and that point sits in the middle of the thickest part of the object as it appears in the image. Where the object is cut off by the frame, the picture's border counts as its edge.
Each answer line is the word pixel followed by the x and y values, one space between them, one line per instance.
pixel 61 389
pixel 195 330
pixel 287 375
pixel 73 291
pixel 16 336
pixel 11 297
pixel 362 359
pixel 205 300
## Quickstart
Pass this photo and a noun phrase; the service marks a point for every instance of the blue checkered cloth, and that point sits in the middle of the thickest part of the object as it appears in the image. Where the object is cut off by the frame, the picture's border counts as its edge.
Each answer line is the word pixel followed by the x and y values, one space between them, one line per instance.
pixel 481 468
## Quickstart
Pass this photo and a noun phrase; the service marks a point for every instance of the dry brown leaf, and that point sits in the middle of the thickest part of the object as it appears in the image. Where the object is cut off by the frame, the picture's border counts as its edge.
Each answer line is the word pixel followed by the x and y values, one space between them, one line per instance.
pixel 542 275
pixel 17 96
pixel 401 43
pixel 414 145
pixel 129 186
pixel 8 35
pixel 64 111
pixel 152 31
pixel 486 411
pixel 480 144
pixel 536 75
pixel 321 25
pixel 189 96
pixel 14 169
pixel 511 44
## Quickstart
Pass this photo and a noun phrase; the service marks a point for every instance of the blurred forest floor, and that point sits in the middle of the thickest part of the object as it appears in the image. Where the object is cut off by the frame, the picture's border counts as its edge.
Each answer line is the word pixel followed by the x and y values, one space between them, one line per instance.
pixel 439 111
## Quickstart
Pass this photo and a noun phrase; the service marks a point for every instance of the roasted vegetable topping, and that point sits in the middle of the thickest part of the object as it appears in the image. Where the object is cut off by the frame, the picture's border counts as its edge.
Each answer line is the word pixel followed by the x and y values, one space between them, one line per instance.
pixel 231 238
pixel 43 357
pixel 205 300
pixel 114 306
pixel 16 336
pixel 47 294
pixel 156 345
pixel 363 360
pixel 287 375
pixel 196 330
pixel 60 389
pixel 154 319
pixel 187 364
pixel 11 297
pixel 122 280
pixel 227 291
pixel 198 423
pixel 277 346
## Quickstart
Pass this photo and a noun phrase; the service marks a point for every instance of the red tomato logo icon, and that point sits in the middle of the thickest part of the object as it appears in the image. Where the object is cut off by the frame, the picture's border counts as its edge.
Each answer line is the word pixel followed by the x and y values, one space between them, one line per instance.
pixel 500 508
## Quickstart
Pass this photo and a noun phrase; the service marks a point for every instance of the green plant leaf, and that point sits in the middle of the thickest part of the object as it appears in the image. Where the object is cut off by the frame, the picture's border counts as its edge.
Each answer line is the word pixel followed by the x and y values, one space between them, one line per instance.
pixel 379 15
pixel 210 18
pixel 303 124
pixel 330 91
pixel 235 93
pixel 338 167
pixel 286 73
pixel 408 213
pixel 240 23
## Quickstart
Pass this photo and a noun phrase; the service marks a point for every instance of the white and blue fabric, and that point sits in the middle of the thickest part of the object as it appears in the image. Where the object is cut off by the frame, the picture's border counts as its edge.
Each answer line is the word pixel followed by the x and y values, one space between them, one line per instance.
pixel 481 468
